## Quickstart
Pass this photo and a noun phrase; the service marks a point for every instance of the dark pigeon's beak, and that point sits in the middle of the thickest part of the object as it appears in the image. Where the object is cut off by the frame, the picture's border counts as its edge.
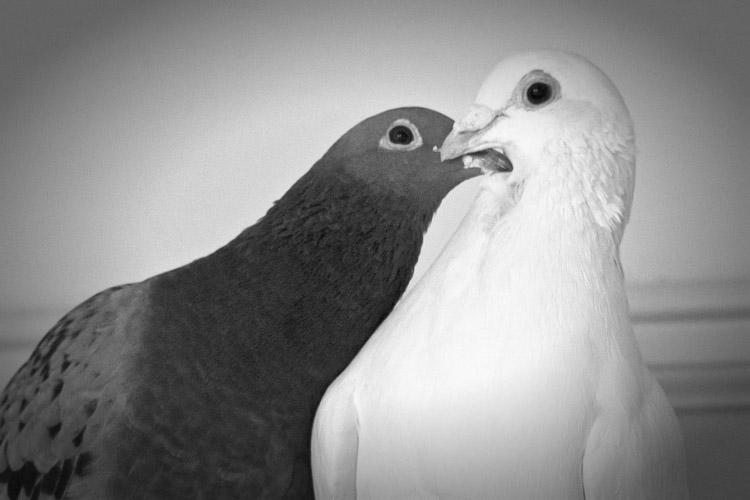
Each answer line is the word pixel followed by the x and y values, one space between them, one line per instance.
pixel 471 135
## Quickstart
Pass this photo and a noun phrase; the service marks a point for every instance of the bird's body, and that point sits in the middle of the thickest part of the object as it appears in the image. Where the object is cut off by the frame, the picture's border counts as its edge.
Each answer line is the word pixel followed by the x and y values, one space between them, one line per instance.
pixel 511 369
pixel 202 382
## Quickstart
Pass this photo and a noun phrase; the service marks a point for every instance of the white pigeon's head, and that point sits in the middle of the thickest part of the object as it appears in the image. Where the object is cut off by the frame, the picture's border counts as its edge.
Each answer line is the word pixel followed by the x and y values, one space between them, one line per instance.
pixel 561 129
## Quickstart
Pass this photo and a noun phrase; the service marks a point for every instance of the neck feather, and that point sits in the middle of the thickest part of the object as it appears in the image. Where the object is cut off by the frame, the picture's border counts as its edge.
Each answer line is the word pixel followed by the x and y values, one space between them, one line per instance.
pixel 544 272
pixel 557 270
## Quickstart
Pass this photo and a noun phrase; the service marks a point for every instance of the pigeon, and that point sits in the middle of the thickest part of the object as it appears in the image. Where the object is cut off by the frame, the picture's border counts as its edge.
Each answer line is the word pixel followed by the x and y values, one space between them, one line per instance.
pixel 202 382
pixel 511 371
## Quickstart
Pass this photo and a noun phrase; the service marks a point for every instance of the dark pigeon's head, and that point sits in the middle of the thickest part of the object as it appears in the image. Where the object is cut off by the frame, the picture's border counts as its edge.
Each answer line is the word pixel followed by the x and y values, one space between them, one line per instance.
pixel 397 151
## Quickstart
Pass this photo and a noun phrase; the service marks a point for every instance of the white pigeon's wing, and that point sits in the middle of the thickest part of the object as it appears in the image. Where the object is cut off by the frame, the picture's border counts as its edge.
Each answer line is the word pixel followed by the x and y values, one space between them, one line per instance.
pixel 638 455
pixel 62 399
pixel 335 444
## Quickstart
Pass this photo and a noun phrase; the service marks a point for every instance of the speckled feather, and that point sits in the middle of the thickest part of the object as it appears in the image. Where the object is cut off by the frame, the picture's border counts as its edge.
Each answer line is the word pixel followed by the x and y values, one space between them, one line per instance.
pixel 202 382
pixel 58 403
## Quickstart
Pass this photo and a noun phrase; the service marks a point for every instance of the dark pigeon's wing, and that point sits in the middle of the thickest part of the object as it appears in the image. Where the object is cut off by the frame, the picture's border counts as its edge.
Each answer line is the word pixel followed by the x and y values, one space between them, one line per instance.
pixel 62 400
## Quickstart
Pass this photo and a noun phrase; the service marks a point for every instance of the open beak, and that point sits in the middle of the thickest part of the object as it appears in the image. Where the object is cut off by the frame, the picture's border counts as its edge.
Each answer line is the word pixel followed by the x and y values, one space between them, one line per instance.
pixel 471 135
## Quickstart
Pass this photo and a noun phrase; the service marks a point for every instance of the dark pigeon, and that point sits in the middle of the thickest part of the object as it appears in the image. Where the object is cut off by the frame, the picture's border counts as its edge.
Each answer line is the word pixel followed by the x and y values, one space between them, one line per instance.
pixel 202 382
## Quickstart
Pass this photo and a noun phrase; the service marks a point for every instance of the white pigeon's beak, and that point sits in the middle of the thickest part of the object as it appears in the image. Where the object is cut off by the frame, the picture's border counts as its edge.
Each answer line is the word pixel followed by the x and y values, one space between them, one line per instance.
pixel 472 134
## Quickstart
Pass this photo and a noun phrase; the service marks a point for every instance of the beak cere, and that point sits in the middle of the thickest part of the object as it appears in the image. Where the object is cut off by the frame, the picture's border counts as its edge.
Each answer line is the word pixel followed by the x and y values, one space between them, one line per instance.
pixel 468 139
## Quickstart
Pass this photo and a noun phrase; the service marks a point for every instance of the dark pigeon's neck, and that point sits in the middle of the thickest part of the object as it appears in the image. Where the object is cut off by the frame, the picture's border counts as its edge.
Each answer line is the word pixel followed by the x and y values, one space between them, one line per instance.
pixel 310 281
pixel 341 250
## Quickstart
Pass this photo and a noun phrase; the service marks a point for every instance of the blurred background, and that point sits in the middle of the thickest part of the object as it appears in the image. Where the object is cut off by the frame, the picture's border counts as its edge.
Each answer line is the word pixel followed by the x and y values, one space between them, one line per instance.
pixel 136 136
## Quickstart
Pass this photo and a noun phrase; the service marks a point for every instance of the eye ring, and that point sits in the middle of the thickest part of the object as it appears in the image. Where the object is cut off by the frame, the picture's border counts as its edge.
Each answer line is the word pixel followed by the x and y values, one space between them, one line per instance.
pixel 537 89
pixel 401 135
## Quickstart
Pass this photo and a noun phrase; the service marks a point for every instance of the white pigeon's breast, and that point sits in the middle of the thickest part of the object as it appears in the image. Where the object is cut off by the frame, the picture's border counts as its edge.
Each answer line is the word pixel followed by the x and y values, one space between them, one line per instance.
pixel 472 420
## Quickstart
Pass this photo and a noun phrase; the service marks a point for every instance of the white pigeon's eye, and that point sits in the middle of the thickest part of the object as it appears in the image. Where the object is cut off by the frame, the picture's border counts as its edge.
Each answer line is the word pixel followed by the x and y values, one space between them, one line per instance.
pixel 538 89
pixel 538 93
pixel 402 135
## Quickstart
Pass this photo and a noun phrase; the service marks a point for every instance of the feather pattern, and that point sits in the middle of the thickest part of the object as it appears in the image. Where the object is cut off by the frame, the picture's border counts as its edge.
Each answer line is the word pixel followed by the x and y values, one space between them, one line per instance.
pixel 62 400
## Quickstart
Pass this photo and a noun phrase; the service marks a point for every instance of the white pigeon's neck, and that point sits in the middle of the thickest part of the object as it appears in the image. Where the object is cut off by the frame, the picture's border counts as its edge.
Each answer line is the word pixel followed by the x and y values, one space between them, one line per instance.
pixel 566 243
pixel 555 267
pixel 549 272
pixel 543 243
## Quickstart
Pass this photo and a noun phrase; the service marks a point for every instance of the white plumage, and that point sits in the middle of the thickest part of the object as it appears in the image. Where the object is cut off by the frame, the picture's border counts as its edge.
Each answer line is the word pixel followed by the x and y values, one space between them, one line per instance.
pixel 510 371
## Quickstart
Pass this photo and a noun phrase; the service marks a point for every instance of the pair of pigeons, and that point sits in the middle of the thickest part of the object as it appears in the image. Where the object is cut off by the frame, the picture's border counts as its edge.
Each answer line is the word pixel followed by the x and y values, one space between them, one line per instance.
pixel 510 371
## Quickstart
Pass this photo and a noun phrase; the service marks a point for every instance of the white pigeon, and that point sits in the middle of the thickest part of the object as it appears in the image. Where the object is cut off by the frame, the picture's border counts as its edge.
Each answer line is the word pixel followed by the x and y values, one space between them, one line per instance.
pixel 510 371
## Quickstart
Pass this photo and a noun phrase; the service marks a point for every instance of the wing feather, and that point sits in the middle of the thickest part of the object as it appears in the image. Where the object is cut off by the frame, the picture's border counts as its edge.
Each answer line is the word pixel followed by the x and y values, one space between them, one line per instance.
pixel 56 405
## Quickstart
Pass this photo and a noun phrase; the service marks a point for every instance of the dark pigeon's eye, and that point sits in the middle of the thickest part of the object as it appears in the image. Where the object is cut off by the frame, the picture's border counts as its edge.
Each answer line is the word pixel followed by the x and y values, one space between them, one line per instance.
pixel 400 134
pixel 538 93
